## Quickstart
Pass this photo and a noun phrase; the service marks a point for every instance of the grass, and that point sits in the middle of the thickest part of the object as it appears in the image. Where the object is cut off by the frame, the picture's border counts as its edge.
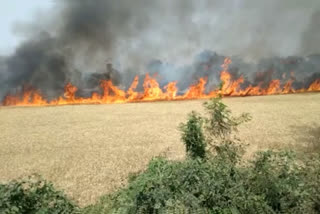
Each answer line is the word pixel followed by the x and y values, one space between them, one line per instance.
pixel 89 150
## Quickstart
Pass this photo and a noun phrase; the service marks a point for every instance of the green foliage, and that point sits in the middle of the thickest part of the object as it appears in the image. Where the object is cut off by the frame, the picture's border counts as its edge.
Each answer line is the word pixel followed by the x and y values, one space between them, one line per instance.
pixel 104 205
pixel 272 183
pixel 278 178
pixel 193 137
pixel 311 173
pixel 220 127
pixel 190 185
pixel 219 122
pixel 35 196
pixel 214 130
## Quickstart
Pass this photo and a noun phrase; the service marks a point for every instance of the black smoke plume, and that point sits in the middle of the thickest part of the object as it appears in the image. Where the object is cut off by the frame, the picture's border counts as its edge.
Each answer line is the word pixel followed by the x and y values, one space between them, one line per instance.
pixel 85 41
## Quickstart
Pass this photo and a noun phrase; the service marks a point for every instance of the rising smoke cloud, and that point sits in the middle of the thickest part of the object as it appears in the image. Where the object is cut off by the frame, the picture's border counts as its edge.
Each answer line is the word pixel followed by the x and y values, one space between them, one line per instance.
pixel 177 39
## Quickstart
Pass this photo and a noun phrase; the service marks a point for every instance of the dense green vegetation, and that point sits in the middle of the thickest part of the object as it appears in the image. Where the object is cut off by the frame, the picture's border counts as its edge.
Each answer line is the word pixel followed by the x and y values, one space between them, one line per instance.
pixel 213 178
pixel 33 195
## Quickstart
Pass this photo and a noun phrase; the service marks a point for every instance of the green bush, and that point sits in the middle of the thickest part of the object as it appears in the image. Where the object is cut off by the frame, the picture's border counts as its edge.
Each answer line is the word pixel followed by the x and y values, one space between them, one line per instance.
pixel 272 183
pixel 220 128
pixel 33 195
pixel 214 130
pixel 193 137
pixel 311 173
pixel 279 178
pixel 220 124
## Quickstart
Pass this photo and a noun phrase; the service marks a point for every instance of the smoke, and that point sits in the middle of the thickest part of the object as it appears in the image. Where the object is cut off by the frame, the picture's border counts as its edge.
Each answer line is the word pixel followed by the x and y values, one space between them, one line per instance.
pixel 310 38
pixel 76 40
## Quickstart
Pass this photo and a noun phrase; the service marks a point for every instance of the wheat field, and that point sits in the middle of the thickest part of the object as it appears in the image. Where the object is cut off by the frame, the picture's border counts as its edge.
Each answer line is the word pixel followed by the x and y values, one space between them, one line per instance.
pixel 89 150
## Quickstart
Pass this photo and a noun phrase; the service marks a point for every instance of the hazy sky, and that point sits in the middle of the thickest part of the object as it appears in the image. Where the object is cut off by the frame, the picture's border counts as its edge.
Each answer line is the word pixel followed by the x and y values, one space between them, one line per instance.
pixel 13 11
pixel 270 27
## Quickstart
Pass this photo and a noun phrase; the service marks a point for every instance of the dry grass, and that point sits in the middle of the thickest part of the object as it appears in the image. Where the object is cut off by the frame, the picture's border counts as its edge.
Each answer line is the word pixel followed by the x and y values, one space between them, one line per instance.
pixel 89 150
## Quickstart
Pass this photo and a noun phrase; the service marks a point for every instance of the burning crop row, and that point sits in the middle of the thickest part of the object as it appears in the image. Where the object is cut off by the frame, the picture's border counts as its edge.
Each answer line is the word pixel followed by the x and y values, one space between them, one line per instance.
pixel 153 92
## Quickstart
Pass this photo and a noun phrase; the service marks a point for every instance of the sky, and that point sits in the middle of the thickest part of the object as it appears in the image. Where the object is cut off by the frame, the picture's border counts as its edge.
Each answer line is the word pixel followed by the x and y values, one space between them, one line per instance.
pixel 13 12
pixel 264 27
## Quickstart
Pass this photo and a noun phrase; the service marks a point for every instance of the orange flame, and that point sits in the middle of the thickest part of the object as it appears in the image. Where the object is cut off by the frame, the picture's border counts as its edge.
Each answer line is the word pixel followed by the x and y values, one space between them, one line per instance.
pixel 196 91
pixel 132 94
pixel 153 92
pixel 315 86
pixel 171 91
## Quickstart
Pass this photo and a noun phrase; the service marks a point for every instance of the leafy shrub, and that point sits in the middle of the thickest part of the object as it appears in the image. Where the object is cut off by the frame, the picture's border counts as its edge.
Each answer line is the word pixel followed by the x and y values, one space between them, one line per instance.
pixel 220 127
pixel 33 195
pixel 278 177
pixel 193 137
pixel 272 183
pixel 220 124
pixel 311 173
pixel 190 185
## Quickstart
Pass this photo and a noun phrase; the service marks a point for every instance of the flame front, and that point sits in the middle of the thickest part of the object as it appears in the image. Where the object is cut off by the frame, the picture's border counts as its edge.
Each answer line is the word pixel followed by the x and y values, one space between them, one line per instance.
pixel 153 92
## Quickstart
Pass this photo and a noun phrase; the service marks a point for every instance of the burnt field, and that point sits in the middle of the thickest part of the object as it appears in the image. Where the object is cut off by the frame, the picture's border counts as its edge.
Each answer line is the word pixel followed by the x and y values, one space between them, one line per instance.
pixel 89 150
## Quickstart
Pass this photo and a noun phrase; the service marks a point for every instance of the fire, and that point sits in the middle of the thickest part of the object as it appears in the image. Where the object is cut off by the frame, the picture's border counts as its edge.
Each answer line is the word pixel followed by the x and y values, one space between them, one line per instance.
pixel 132 94
pixel 153 92
pixel 315 86
pixel 171 90
pixel 287 88
pixel 30 96
pixel 70 92
pixel 197 90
